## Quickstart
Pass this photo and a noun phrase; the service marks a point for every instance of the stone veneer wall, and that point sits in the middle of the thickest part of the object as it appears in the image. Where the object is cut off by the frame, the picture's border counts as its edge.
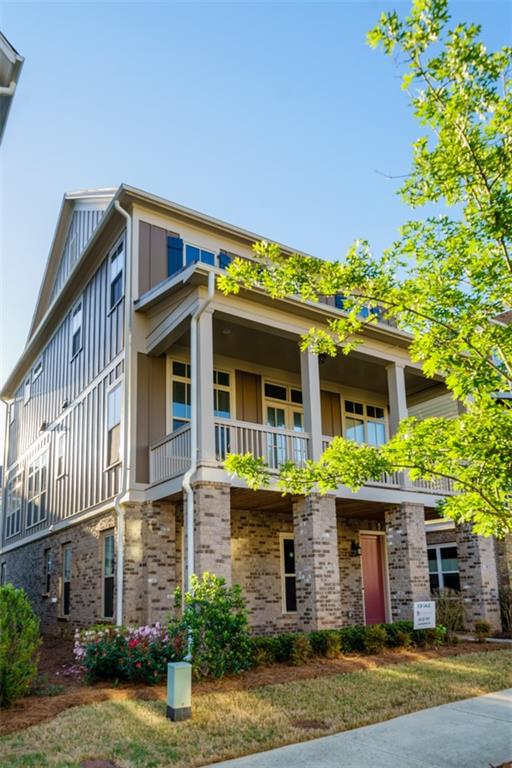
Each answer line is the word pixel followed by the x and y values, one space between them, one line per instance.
pixel 407 558
pixel 25 568
pixel 256 566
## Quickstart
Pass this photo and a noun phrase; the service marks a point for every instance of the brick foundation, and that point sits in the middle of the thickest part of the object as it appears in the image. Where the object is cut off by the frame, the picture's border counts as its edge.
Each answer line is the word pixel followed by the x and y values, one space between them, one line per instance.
pixel 478 577
pixel 316 562
pixel 407 559
pixel 212 529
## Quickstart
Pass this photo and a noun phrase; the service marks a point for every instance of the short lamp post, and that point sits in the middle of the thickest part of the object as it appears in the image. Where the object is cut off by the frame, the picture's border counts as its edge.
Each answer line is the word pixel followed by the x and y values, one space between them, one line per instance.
pixel 179 690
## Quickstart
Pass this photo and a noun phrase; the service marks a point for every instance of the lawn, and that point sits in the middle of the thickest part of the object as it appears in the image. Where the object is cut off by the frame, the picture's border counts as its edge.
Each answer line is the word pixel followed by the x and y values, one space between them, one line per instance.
pixel 136 734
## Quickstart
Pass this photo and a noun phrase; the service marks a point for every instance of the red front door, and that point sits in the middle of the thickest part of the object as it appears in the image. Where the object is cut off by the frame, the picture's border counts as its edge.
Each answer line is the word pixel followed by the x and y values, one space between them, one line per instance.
pixel 373 578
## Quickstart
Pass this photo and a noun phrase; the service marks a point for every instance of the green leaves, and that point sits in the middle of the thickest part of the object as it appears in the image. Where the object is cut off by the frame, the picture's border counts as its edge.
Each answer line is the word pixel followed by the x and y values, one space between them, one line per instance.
pixel 446 281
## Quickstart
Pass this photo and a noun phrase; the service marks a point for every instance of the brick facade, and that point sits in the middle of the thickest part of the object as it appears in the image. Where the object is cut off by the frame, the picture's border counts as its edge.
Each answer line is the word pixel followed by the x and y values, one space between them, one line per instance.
pixel 503 549
pixel 478 577
pixel 351 579
pixel 212 529
pixel 407 558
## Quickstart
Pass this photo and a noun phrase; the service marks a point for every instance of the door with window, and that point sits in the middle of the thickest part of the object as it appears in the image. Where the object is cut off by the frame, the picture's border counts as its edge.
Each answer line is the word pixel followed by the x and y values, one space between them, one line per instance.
pixel 372 565
pixel 284 411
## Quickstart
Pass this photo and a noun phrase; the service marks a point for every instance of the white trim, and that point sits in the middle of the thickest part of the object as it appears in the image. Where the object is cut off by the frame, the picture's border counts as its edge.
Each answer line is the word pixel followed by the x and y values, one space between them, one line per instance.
pixel 282 538
pixel 38 368
pixel 108 390
pixel 79 303
pixel 103 537
pixel 363 417
pixel 385 571
pixel 440 573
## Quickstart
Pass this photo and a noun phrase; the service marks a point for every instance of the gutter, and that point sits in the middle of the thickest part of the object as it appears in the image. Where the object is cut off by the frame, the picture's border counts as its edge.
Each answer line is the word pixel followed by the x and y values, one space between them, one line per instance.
pixel 8 90
pixel 125 472
pixel 194 423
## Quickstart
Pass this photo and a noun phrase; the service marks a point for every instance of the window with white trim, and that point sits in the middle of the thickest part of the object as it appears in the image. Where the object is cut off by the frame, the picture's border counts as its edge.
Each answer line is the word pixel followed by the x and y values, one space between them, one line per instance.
pixel 443 567
pixel 116 265
pixel 66 579
pixel 60 454
pixel 181 408
pixel 193 254
pixel 108 575
pixel 26 390
pixel 76 329
pixel 365 423
pixel 12 412
pixel 283 410
pixel 288 576
pixel 14 504
pixel 36 490
pixel 114 425
pixel 37 369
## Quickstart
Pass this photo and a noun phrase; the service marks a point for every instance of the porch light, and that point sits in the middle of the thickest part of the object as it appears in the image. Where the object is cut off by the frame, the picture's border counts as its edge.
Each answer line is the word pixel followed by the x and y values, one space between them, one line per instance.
pixel 179 691
pixel 355 549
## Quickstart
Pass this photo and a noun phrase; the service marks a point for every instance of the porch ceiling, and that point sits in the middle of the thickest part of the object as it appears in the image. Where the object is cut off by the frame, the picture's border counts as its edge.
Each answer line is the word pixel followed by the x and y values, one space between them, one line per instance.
pixel 366 510
pixel 243 498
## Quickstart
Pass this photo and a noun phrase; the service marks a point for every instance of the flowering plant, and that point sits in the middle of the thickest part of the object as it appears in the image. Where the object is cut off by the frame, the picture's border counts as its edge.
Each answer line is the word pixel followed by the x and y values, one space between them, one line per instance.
pixel 137 654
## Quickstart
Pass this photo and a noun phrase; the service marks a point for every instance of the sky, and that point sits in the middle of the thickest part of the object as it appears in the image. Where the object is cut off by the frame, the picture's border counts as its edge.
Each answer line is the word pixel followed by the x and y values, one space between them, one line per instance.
pixel 275 117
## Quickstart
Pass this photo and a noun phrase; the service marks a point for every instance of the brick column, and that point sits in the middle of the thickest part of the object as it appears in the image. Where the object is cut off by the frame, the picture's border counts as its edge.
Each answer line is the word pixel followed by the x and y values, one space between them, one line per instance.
pixel 160 552
pixel 212 529
pixel 316 562
pixel 407 558
pixel 504 561
pixel 478 577
pixel 134 599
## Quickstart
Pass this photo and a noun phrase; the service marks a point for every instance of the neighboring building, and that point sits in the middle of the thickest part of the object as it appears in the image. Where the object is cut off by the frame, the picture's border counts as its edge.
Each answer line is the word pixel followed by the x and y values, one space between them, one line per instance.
pixel 10 67
pixel 99 439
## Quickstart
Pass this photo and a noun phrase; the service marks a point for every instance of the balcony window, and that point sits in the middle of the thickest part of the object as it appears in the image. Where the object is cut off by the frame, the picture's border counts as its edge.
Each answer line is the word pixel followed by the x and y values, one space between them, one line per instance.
pixel 365 423
pixel 443 567
pixel 181 394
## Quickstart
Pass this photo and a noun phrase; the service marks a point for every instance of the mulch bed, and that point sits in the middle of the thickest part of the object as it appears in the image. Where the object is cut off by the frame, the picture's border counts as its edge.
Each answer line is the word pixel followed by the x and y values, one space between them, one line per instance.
pixel 57 654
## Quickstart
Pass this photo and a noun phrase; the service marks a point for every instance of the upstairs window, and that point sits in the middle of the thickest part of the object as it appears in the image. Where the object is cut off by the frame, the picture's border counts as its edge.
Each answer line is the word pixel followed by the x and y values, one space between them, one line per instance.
pixel 174 255
pixel 36 490
pixel 37 370
pixel 61 454
pixel 26 391
pixel 181 394
pixel 76 330
pixel 114 426
pixel 194 254
pixel 116 275
pixel 225 259
pixel 14 505
pixel 365 423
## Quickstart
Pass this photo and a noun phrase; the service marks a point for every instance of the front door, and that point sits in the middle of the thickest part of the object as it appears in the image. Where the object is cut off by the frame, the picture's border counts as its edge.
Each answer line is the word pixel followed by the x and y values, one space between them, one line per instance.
pixel 373 578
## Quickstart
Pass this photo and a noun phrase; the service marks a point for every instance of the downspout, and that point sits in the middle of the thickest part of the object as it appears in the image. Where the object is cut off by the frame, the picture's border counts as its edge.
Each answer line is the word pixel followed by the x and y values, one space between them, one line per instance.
pixel 8 90
pixel 125 471
pixel 194 424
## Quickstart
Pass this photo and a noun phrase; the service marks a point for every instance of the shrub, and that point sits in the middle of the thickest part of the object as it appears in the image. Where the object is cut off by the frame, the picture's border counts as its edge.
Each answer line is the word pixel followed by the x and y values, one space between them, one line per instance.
pixel 215 619
pixel 352 639
pixel 263 651
pixel 137 654
pixel 19 642
pixel 399 634
pixel 375 638
pixel 450 612
pixel 430 638
pixel 301 650
pixel 482 630
pixel 505 594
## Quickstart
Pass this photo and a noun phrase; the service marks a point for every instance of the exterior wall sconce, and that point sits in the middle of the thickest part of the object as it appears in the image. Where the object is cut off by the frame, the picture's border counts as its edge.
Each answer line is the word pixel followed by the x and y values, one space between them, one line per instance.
pixel 355 549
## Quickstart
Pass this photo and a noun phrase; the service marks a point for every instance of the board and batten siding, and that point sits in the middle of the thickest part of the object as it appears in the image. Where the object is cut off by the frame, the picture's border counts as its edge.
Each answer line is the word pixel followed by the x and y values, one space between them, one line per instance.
pixel 70 395
pixel 83 223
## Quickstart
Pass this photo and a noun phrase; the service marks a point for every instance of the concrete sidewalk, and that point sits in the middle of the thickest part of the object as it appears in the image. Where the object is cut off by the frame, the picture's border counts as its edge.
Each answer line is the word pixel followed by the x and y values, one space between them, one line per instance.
pixel 474 733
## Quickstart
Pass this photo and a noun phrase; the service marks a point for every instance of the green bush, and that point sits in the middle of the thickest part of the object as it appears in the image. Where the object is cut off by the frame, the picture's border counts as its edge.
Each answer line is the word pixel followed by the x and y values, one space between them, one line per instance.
pixel 506 609
pixel 450 612
pixel 430 638
pixel 136 654
pixel 301 650
pixel 375 638
pixel 399 634
pixel 482 630
pixel 19 642
pixel 352 639
pixel 215 619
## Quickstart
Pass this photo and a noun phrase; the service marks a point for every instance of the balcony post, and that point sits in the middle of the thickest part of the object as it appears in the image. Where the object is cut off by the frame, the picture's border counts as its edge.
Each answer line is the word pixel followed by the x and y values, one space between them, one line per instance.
pixel 310 378
pixel 396 395
pixel 206 429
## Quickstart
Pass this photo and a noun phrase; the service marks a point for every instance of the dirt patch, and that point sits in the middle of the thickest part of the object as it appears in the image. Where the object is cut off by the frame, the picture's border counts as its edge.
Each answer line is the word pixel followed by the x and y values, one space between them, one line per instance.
pixel 56 653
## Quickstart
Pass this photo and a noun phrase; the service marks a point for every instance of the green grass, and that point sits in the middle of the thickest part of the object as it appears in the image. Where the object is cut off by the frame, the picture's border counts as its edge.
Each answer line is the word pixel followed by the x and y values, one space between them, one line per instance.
pixel 136 734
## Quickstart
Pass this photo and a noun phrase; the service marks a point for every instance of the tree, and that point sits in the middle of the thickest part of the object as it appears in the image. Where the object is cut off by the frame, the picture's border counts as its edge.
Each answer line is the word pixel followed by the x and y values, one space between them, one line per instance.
pixel 447 280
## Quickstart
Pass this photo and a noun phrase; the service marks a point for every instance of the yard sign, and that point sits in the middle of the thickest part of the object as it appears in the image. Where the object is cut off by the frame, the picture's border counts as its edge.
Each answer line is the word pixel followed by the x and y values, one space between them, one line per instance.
pixel 425 615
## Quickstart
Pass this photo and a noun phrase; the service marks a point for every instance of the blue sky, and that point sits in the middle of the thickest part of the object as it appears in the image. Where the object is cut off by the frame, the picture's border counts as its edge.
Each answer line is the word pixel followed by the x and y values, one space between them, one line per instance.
pixel 274 116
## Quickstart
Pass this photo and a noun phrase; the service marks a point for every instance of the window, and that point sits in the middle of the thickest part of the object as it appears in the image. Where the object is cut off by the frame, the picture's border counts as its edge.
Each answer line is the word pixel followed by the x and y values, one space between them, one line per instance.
pixel 3 574
pixel 47 571
pixel 116 275
pixel 13 505
pixel 288 581
pixel 174 255
pixel 443 567
pixel 12 412
pixel 37 370
pixel 365 423
pixel 114 425
pixel 76 330
pixel 193 254
pixel 36 492
pixel 283 410
pixel 26 391
pixel 61 454
pixel 180 392
pixel 108 576
pixel 66 579
pixel 225 259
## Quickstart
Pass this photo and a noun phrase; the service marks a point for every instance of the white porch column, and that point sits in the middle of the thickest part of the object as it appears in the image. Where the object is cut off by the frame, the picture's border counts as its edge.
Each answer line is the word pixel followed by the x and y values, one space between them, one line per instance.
pixel 310 378
pixel 206 432
pixel 396 395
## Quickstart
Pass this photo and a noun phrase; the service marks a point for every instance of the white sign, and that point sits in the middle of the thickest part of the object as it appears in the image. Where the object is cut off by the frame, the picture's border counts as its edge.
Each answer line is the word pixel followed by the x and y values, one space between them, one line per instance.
pixel 425 615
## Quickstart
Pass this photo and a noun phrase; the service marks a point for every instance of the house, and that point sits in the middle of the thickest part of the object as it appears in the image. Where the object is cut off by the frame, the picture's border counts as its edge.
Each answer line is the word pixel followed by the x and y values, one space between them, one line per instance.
pixel 10 68
pixel 104 507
